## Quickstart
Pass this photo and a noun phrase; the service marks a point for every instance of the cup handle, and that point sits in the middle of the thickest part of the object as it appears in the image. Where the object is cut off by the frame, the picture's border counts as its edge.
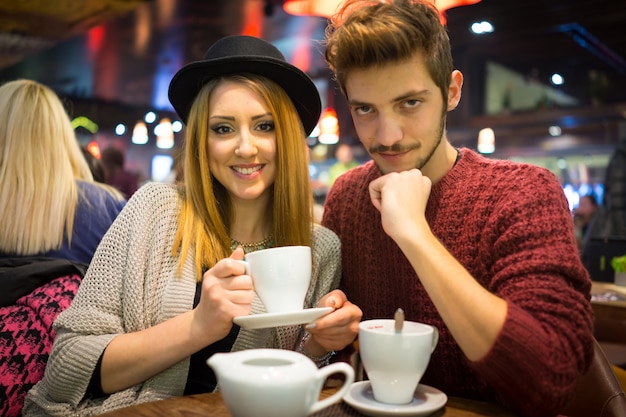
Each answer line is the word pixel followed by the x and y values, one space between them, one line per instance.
pixel 245 265
pixel 323 374
pixel 435 338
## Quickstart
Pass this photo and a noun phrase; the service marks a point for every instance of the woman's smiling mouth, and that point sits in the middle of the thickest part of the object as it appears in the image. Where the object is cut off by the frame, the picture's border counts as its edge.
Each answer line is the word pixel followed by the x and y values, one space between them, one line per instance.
pixel 247 170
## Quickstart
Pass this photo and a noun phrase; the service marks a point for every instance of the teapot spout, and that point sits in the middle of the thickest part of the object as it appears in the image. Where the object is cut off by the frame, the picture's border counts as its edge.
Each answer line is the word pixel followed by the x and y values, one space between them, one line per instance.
pixel 217 361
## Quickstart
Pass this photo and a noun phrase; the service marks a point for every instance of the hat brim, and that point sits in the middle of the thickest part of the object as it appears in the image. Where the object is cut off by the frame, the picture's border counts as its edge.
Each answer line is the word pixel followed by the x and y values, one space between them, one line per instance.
pixel 188 81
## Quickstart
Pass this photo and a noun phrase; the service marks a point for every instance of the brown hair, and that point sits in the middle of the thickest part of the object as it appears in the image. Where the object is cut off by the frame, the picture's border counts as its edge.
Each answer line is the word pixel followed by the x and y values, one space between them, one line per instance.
pixel 368 33
pixel 207 211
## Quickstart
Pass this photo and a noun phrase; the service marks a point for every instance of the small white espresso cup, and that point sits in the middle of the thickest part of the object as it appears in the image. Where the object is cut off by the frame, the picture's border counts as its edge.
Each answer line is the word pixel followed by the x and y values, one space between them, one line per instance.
pixel 281 276
pixel 275 382
pixel 395 361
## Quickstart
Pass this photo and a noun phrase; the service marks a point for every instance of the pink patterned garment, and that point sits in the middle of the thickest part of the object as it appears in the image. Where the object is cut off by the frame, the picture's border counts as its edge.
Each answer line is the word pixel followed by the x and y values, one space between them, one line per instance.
pixel 26 338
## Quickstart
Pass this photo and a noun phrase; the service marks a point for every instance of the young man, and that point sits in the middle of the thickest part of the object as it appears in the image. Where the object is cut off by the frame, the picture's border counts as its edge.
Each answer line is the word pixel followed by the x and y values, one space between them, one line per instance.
pixel 484 250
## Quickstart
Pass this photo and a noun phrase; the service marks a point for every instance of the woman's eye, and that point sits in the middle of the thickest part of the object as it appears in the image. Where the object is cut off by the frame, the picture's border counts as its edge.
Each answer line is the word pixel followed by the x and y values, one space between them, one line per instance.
pixel 266 126
pixel 221 129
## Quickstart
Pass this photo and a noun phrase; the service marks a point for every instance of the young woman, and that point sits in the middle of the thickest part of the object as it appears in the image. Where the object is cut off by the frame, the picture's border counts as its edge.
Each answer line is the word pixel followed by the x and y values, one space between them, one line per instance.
pixel 163 290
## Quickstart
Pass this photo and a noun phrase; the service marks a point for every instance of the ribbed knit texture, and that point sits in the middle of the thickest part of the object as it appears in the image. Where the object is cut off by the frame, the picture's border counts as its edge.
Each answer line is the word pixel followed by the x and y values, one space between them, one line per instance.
pixel 509 225
pixel 130 286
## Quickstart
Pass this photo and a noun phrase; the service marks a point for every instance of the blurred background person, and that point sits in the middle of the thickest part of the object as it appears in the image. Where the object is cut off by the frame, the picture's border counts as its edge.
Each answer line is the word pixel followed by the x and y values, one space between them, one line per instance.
pixel 345 162
pixel 614 200
pixel 583 215
pixel 116 174
pixel 52 217
pixel 95 166
pixel 605 236
pixel 50 204
pixel 610 219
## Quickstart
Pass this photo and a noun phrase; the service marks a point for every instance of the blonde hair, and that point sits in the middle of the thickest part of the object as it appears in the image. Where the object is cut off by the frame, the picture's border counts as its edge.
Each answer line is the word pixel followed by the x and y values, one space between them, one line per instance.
pixel 207 210
pixel 40 161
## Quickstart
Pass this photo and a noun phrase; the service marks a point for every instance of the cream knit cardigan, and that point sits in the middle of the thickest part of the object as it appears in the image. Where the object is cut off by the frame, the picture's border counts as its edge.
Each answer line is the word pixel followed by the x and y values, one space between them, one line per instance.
pixel 131 285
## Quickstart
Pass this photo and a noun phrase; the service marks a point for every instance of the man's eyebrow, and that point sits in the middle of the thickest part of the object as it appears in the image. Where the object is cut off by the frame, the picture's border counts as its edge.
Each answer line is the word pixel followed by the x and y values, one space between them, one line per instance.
pixel 357 103
pixel 407 95
pixel 410 94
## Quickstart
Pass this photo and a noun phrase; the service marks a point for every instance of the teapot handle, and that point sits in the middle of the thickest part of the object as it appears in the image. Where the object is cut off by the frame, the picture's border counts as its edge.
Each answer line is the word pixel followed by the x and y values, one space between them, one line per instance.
pixel 323 374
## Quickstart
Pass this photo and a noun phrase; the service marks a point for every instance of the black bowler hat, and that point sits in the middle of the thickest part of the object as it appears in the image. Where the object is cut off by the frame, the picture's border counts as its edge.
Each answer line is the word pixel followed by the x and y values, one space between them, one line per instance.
pixel 237 54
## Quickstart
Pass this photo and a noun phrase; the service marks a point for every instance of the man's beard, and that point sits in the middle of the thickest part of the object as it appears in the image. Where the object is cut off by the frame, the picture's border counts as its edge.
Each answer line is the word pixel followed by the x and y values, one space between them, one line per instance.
pixel 398 148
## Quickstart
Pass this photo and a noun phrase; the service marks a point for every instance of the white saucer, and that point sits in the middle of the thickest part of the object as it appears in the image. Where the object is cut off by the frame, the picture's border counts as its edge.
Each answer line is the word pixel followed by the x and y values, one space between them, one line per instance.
pixel 260 321
pixel 426 401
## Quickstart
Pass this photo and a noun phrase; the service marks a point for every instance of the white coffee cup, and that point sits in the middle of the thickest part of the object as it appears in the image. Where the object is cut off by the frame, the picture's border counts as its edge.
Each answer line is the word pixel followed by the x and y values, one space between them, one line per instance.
pixel 395 361
pixel 281 276
pixel 275 382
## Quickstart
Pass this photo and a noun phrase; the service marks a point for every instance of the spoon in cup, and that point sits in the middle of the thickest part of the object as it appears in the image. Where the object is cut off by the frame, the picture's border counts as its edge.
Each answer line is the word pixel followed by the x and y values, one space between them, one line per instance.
pixel 399 320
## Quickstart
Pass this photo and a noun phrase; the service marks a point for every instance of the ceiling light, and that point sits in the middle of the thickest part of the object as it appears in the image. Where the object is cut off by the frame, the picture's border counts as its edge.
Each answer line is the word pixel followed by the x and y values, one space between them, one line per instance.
pixel 486 140
pixel 329 127
pixel 164 134
pixel 327 8
pixel 480 28
pixel 177 126
pixel 150 117
pixel 554 130
pixel 556 79
pixel 140 133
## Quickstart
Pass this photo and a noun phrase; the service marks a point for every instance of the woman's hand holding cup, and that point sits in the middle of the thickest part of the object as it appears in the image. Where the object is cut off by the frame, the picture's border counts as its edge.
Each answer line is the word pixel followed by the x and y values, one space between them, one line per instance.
pixel 227 292
pixel 338 329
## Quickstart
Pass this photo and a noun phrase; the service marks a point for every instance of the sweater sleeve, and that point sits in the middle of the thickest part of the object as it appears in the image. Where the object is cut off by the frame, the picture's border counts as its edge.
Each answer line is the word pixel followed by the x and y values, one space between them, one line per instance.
pixel 326 264
pixel 545 345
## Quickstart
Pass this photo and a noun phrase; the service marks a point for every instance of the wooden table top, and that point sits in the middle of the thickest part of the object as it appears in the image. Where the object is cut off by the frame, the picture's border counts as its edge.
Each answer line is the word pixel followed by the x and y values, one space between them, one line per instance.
pixel 604 300
pixel 609 307
pixel 212 405
pixel 599 288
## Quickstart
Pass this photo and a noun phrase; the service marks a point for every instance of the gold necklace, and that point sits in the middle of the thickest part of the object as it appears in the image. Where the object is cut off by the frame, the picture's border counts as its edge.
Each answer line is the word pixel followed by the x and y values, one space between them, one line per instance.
pixel 251 247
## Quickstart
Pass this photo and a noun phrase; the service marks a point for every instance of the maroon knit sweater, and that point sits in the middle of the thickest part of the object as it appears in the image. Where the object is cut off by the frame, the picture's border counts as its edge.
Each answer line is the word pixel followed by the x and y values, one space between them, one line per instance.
pixel 510 226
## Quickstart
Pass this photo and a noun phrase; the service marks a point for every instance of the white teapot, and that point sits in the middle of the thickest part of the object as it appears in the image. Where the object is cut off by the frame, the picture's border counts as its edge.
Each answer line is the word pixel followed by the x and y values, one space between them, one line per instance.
pixel 275 382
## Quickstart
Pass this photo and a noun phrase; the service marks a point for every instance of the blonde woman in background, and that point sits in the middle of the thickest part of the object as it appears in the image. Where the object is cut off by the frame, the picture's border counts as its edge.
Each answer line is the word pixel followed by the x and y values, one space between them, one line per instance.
pixel 52 218
pixel 49 203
